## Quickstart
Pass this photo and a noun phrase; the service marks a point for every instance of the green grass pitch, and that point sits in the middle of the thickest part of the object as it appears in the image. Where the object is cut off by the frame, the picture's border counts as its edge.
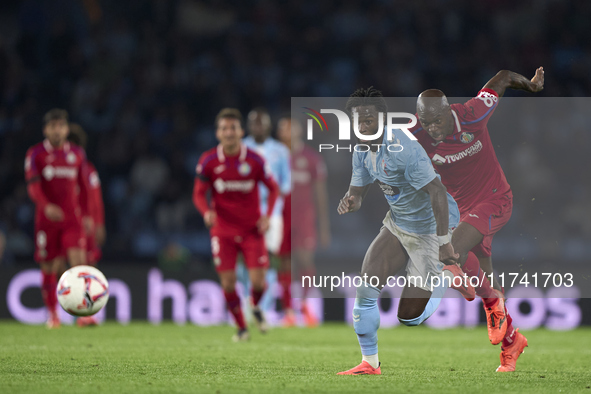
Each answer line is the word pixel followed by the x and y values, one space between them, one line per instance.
pixel 187 359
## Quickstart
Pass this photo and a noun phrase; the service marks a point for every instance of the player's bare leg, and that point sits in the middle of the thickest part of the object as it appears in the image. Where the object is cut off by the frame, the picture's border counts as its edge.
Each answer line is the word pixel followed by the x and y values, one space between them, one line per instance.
pixel 259 285
pixel 76 256
pixel 306 267
pixel 228 282
pixel 49 272
pixel 412 303
pixel 464 238
pixel 384 257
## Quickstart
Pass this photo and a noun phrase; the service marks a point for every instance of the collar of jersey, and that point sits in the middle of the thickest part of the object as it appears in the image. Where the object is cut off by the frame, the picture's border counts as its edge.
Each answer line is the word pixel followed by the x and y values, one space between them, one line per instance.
pixel 457 128
pixel 222 156
pixel 49 148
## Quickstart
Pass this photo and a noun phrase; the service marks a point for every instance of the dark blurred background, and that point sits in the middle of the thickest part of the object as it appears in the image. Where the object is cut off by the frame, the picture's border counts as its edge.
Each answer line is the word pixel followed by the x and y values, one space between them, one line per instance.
pixel 146 78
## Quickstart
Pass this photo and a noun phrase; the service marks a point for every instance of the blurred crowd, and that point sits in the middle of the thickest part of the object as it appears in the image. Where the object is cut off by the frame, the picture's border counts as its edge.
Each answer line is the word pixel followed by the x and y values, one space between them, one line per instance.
pixel 146 78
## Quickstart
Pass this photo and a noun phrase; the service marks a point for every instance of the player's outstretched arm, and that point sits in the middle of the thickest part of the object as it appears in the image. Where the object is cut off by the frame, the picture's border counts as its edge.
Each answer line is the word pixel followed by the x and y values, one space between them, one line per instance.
pixel 508 79
pixel 438 194
pixel 352 200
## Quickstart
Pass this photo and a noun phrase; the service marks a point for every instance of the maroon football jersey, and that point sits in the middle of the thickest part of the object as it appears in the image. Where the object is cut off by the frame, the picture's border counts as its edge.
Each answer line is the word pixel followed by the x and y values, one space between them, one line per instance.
pixel 61 173
pixel 233 182
pixel 307 167
pixel 466 159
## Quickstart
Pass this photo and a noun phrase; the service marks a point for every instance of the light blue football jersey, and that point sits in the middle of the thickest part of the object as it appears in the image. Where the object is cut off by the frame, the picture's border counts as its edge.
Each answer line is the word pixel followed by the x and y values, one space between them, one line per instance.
pixel 401 176
pixel 276 156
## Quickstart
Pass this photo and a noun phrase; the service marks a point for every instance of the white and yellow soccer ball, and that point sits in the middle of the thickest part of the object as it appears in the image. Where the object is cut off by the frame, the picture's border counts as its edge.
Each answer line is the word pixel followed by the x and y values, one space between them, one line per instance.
pixel 83 290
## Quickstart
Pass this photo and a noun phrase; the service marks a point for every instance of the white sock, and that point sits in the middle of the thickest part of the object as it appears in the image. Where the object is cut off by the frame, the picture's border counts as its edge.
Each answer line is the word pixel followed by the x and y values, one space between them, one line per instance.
pixel 372 360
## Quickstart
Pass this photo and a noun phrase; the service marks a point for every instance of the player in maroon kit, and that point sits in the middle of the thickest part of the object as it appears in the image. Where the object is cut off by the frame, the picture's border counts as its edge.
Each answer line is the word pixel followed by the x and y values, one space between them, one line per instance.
pixel 55 172
pixel 232 172
pixel 94 222
pixel 309 198
pixel 456 139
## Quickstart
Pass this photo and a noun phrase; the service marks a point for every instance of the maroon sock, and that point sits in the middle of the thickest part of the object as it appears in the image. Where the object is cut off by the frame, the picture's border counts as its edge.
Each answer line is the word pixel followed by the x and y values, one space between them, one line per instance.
pixel 49 291
pixel 256 296
pixel 484 289
pixel 233 304
pixel 284 279
pixel 511 333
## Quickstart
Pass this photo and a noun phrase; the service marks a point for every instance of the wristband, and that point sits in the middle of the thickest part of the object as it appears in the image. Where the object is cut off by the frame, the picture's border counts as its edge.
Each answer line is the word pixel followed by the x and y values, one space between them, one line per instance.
pixel 443 239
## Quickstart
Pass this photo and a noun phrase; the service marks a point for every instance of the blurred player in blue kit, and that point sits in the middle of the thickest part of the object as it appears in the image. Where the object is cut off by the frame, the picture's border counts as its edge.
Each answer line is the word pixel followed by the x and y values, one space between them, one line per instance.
pixel 276 156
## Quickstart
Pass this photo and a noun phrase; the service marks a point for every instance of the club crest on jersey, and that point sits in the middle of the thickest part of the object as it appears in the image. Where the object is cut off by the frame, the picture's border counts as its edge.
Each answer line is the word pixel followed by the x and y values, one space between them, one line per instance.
pixel 244 169
pixel 71 158
pixel 466 138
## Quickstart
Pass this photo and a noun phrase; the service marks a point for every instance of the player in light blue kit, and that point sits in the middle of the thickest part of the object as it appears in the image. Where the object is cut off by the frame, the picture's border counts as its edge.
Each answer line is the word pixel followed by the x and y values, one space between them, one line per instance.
pixel 276 156
pixel 416 231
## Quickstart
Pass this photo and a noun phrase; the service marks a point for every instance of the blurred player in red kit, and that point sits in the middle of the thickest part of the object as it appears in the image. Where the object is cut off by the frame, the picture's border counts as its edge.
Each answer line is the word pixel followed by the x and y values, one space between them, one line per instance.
pixel 55 174
pixel 309 200
pixel 457 141
pixel 94 222
pixel 232 172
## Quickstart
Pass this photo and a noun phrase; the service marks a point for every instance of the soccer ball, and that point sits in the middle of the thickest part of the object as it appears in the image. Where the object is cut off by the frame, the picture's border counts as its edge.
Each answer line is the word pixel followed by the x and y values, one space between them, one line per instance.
pixel 82 290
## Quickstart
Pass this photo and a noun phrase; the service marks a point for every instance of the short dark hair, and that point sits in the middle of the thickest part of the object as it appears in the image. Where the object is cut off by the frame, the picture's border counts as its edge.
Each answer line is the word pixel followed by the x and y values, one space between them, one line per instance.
pixel 366 97
pixel 231 113
pixel 78 135
pixel 55 114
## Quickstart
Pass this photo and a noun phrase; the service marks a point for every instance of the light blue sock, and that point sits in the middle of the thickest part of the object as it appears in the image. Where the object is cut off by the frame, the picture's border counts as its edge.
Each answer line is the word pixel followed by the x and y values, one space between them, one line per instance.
pixel 431 306
pixel 366 318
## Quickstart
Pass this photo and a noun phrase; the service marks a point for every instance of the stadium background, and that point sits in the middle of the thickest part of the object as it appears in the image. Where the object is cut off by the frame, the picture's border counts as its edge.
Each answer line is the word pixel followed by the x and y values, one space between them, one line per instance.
pixel 146 78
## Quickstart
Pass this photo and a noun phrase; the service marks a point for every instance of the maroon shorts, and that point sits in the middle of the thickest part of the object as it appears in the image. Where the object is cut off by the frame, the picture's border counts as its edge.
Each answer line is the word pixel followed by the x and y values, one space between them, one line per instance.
pixel 252 246
pixel 488 218
pixel 52 241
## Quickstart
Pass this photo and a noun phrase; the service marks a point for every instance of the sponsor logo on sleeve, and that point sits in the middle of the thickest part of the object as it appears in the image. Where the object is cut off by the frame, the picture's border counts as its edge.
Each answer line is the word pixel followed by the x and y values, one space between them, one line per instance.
pixel 94 180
